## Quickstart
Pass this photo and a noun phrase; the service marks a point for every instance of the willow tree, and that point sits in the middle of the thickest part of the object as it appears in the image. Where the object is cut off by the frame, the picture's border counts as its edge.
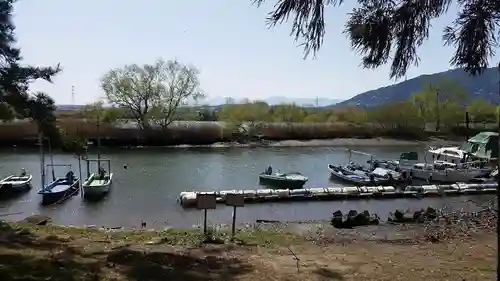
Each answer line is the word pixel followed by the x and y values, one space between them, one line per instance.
pixel 390 31
pixel 153 90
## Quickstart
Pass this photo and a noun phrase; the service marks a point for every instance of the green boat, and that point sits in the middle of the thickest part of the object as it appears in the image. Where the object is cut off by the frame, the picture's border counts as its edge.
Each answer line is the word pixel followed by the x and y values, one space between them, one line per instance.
pixel 282 180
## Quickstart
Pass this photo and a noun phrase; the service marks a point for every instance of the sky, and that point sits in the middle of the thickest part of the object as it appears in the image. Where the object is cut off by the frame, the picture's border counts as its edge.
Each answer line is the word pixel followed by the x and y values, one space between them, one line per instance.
pixel 228 40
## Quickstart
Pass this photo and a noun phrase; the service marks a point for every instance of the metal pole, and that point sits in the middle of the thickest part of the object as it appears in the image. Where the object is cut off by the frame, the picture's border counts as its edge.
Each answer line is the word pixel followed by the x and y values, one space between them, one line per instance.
pixel 80 170
pixel 51 160
pixel 233 229
pixel 438 117
pixel 205 223
pixel 98 140
pixel 42 159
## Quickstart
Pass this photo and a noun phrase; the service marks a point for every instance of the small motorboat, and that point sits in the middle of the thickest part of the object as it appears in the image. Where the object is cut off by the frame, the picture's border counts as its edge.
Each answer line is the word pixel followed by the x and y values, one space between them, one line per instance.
pixel 292 180
pixel 60 189
pixel 13 184
pixel 358 177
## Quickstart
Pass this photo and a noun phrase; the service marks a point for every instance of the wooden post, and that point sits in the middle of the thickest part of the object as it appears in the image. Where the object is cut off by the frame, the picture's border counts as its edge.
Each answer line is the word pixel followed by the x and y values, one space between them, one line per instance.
pixel 235 200
pixel 233 228
pixel 205 201
pixel 205 223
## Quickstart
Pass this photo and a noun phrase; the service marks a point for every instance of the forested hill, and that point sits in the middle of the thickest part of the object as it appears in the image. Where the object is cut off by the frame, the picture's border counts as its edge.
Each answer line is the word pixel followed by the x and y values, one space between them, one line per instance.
pixel 484 86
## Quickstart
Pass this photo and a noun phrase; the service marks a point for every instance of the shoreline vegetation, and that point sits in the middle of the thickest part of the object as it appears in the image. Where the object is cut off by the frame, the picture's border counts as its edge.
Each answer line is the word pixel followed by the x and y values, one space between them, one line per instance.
pixel 163 118
pixel 460 249
pixel 23 133
pixel 424 116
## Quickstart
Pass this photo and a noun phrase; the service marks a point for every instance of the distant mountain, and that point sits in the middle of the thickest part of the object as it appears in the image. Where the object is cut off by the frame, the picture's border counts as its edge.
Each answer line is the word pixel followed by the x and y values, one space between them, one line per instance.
pixel 275 100
pixel 217 101
pixel 484 86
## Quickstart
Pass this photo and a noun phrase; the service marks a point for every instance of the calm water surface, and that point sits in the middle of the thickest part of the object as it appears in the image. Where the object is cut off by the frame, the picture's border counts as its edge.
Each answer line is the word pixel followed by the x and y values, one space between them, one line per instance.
pixel 149 188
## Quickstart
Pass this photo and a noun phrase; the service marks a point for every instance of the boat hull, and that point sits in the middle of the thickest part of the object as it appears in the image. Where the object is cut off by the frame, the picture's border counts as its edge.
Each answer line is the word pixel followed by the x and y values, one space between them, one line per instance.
pixel 447 176
pixel 337 173
pixel 14 185
pixel 95 189
pixel 61 195
pixel 281 183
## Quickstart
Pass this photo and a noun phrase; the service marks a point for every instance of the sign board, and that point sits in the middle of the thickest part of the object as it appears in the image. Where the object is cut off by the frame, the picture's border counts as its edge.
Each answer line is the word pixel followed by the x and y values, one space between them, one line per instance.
pixel 206 201
pixel 235 200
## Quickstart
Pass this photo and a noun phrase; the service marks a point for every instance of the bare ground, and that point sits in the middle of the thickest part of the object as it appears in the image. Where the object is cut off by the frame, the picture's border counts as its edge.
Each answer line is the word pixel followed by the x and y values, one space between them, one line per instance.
pixel 54 253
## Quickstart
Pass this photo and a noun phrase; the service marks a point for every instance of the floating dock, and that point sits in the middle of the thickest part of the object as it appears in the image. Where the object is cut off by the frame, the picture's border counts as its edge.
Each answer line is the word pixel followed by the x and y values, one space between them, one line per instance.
pixel 187 199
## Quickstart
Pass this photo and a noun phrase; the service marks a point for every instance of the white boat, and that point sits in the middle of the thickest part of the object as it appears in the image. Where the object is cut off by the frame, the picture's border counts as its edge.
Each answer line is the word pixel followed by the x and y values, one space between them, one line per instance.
pixel 15 184
pixel 443 171
pixel 452 169
pixel 450 154
pixel 97 185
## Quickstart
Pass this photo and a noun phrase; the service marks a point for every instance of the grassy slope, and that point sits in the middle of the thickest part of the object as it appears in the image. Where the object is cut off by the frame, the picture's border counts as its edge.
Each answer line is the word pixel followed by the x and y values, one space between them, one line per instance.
pixel 55 253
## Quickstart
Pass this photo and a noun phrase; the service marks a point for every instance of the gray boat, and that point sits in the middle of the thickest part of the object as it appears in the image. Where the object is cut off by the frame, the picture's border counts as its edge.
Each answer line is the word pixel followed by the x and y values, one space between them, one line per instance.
pixel 292 180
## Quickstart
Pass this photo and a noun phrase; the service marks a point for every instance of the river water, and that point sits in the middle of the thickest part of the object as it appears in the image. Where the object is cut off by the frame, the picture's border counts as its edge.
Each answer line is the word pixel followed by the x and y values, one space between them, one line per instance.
pixel 148 189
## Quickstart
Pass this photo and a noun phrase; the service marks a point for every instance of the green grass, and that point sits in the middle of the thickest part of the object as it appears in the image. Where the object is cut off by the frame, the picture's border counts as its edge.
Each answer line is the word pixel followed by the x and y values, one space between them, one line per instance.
pixel 174 236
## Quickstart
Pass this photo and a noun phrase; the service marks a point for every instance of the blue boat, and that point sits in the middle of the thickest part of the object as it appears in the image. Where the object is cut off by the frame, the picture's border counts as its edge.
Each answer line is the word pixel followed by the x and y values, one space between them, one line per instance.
pixel 60 189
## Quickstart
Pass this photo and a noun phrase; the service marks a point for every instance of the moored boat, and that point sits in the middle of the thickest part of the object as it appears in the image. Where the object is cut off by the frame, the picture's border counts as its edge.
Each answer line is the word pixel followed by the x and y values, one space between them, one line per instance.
pixel 292 180
pixel 13 184
pixel 97 185
pixel 61 188
pixel 357 177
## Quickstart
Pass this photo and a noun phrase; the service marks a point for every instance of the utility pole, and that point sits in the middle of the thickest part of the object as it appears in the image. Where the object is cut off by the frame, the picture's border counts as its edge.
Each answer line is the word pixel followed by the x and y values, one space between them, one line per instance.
pixel 438 117
pixel 73 95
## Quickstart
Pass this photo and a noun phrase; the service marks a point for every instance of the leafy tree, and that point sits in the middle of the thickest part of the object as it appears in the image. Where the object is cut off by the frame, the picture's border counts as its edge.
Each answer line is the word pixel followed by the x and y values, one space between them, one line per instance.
pixel 351 115
pixel 177 84
pixel 112 114
pixel 440 100
pixel 396 116
pixel 288 113
pixel 41 108
pixel 151 90
pixel 384 31
pixel 95 112
pixel 481 111
pixel 317 117
pixel 14 77
pixel 245 112
pixel 7 113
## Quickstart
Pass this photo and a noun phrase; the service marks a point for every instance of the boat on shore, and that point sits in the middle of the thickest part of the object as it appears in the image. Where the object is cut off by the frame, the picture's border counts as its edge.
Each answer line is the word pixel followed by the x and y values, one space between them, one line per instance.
pixel 13 184
pixel 293 180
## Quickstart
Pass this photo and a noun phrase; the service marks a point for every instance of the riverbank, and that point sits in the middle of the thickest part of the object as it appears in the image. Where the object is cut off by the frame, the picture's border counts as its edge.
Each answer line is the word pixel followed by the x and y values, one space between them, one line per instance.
pixel 33 252
pixel 24 133
pixel 340 142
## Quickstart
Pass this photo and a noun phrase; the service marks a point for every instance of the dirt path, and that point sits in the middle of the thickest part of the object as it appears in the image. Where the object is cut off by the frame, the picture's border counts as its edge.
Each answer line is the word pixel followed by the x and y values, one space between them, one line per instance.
pixel 40 254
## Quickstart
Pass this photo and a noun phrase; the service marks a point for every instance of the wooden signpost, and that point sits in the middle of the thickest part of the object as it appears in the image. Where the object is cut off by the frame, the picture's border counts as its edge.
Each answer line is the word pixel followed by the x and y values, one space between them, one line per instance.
pixel 235 200
pixel 205 201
